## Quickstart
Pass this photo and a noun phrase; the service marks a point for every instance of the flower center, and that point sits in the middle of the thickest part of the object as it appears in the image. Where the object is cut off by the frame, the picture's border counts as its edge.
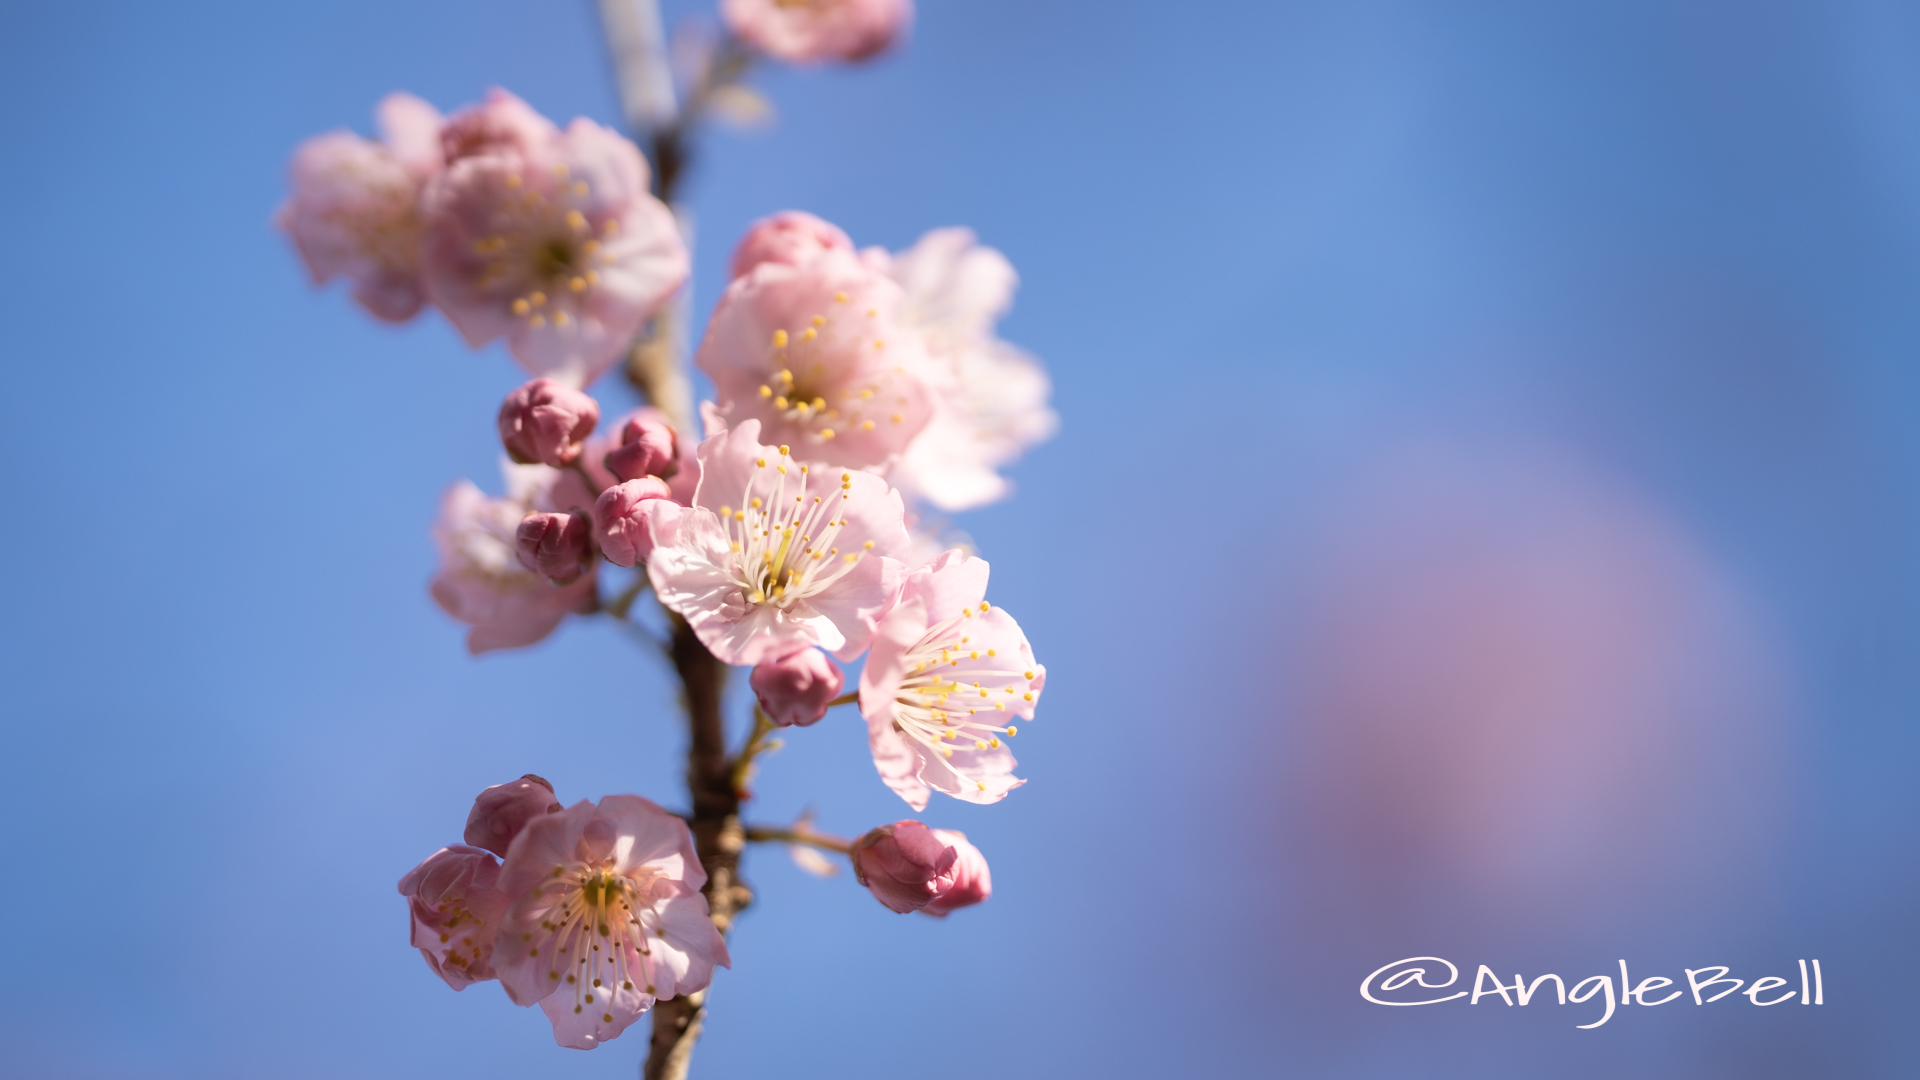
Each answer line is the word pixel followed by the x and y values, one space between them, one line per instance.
pixel 783 544
pixel 958 688
pixel 819 378
pixel 599 924
pixel 543 252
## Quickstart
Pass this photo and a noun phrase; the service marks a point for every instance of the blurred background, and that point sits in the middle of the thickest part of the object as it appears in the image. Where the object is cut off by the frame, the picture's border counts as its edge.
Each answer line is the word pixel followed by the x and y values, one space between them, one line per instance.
pixel 1485 524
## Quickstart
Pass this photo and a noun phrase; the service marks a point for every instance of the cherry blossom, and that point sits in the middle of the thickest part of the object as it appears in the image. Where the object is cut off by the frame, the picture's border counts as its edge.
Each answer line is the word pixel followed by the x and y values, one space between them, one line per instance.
pixel 606 917
pixel 555 245
pixel 795 690
pixel 456 908
pixel 501 811
pixel 546 422
pixel 620 521
pixel 354 211
pixel 818 354
pixel 994 400
pixel 776 553
pixel 608 466
pixel 972 883
pixel 481 581
pixel 500 124
pixel 904 865
pixel 947 676
pixel 790 237
pixel 813 31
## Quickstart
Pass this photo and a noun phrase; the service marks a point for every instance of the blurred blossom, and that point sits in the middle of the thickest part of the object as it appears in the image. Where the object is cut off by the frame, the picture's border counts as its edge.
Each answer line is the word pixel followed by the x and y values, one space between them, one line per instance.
pixel 790 238
pixel 814 31
pixel 554 243
pixel 1527 699
pixel 481 581
pixel 501 124
pixel 775 553
pixel 354 211
pixel 817 353
pixel 948 675
pixel 993 400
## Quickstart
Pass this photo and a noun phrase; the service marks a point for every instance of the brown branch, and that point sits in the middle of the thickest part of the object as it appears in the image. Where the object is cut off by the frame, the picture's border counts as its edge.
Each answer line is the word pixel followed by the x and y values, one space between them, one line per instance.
pixel 717 835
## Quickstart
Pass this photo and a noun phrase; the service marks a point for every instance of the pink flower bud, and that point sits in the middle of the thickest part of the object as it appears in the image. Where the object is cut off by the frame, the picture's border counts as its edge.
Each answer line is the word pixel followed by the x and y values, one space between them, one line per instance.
pixel 790 238
pixel 647 448
pixel 904 864
pixel 971 881
pixel 546 423
pixel 503 810
pixel 795 689
pixel 621 521
pixel 557 546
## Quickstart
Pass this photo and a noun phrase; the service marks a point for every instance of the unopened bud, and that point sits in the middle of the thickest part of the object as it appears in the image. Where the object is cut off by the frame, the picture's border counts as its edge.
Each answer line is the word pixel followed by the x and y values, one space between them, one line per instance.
pixel 547 423
pixel 795 689
pixel 558 547
pixel 790 238
pixel 621 523
pixel 647 448
pixel 904 865
pixel 971 881
pixel 503 810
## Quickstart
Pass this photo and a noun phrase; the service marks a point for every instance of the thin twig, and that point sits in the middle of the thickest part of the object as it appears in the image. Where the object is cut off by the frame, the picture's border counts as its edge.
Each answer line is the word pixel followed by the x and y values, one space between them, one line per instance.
pixel 756 744
pixel 767 834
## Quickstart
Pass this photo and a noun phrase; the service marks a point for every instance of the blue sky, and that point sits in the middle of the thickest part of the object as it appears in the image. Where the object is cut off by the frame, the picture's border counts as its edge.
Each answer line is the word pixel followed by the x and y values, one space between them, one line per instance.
pixel 1485 523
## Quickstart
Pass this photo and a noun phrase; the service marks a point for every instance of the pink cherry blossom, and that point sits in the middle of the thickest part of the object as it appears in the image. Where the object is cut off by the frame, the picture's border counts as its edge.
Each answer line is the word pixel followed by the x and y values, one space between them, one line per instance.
pixel 819 355
pixel 456 909
pixel 502 124
pixel 790 237
pixel 354 211
pixel 481 581
pixel 606 917
pixel 905 865
pixel 683 475
pixel 558 547
pixel 776 554
pixel 971 881
pixel 813 31
pixel 620 521
pixel 994 400
pixel 547 423
pixel 947 676
pixel 501 811
pixel 557 247
pixel 795 689
pixel 648 447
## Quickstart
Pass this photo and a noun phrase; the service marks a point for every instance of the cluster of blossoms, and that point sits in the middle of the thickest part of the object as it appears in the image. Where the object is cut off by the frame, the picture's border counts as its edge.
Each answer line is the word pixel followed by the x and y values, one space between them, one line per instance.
pixel 594 914
pixel 856 391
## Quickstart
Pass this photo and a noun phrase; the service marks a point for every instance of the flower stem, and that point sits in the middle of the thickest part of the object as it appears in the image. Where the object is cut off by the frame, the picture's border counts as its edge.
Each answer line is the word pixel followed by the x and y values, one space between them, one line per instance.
pixel 845 699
